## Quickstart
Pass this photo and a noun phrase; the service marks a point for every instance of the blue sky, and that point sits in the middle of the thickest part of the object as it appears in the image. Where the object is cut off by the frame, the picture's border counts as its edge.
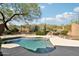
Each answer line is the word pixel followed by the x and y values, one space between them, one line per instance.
pixel 57 13
pixel 54 11
pixel 51 10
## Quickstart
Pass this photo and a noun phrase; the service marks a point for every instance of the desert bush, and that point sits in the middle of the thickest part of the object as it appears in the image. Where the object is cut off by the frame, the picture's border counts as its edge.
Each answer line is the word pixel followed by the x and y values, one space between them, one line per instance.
pixel 64 32
pixel 56 33
pixel 12 31
pixel 41 32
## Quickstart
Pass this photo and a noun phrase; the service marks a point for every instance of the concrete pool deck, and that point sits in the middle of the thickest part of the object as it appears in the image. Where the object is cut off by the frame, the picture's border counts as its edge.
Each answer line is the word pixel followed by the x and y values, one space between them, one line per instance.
pixel 10 45
pixel 55 40
pixel 63 42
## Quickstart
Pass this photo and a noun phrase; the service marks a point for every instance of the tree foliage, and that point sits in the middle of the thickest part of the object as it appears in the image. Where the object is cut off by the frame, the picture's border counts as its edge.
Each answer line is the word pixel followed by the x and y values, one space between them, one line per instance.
pixel 75 21
pixel 19 12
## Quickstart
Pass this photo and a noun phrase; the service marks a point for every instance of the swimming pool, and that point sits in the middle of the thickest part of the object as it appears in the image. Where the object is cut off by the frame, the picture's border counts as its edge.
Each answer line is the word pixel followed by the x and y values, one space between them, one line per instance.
pixel 34 44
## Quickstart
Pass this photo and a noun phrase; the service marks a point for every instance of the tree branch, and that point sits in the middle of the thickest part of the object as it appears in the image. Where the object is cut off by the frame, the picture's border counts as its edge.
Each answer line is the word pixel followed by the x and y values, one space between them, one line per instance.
pixel 13 16
pixel 3 17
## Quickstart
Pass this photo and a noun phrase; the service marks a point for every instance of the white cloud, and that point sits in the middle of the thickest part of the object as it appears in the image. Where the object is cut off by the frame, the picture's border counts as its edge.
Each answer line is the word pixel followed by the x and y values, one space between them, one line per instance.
pixel 64 16
pixel 42 7
pixel 59 16
pixel 76 9
pixel 68 15
pixel 49 20
pixel 49 3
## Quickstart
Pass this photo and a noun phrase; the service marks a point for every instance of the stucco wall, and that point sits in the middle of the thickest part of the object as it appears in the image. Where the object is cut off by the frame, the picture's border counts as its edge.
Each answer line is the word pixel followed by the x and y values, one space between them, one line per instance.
pixel 74 30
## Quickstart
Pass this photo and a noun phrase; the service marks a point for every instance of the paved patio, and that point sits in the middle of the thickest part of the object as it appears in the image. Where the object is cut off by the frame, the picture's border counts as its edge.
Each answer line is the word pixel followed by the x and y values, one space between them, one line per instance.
pixel 59 51
pixel 64 42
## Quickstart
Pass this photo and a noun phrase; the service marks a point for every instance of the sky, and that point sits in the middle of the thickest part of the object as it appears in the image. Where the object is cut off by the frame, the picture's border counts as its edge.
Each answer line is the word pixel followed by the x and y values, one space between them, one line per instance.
pixel 50 10
pixel 58 13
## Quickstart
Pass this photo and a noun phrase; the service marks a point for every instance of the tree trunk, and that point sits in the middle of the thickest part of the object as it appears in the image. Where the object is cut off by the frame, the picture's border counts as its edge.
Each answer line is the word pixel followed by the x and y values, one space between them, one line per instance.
pixel 3 19
pixel 5 22
pixel 2 28
pixel 6 26
pixel 0 47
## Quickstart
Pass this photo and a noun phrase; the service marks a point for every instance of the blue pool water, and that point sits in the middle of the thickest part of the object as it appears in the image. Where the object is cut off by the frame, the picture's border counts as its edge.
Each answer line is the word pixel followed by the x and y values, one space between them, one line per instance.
pixel 34 44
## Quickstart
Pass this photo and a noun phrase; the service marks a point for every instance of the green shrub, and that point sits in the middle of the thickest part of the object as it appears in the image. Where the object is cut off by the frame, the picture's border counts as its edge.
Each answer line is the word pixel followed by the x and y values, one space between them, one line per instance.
pixel 56 33
pixel 41 32
pixel 7 32
pixel 64 32
pixel 12 31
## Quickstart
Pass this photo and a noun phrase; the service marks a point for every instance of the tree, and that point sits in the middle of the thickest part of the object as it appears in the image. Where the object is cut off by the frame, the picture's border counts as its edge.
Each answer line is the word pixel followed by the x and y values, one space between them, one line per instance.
pixel 19 12
pixel 75 21
pixel 36 28
pixel 45 28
